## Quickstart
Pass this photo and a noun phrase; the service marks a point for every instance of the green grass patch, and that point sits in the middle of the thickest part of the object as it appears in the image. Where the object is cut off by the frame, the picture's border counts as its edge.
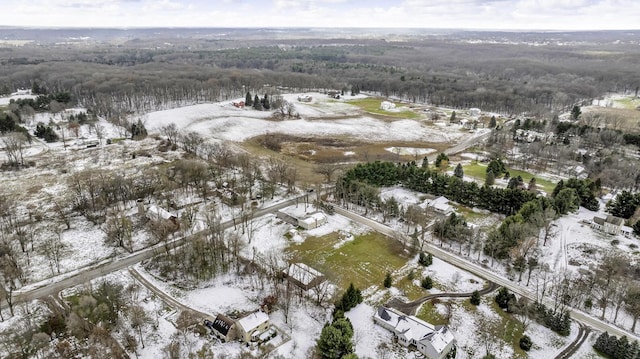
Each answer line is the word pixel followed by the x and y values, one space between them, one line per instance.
pixel 471 215
pixel 429 314
pixel 410 290
pixel 479 171
pixel 508 329
pixel 364 261
pixel 629 103
pixel 372 105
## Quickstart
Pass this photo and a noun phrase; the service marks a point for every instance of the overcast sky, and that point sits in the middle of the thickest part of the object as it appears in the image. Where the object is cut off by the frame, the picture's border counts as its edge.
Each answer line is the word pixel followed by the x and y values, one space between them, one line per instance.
pixel 470 14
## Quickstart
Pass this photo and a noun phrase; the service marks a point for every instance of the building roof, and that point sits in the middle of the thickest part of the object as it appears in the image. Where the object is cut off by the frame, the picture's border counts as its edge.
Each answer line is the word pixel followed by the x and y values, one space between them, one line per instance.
pixel 441 204
pixel 156 213
pixel 253 320
pixel 302 273
pixel 318 217
pixel 615 220
pixel 222 324
pixel 598 220
pixel 415 329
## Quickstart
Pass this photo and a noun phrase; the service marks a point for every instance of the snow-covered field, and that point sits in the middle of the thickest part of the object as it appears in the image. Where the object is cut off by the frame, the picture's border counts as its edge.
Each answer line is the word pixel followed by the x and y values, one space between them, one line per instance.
pixel 226 122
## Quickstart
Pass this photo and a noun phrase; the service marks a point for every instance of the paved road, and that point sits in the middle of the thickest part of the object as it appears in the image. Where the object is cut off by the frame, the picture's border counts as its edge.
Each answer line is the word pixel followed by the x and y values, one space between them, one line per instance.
pixel 485 273
pixel 467 143
pixel 83 275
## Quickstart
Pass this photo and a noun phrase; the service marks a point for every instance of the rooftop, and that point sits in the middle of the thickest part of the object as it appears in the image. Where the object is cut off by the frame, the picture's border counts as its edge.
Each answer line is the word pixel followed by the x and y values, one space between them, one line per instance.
pixel 253 320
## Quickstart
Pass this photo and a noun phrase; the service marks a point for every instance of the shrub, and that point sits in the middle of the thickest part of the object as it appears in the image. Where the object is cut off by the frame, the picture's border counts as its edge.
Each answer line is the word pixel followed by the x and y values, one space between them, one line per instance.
pixel 525 343
pixel 475 298
pixel 387 280
pixel 427 283
pixel 425 259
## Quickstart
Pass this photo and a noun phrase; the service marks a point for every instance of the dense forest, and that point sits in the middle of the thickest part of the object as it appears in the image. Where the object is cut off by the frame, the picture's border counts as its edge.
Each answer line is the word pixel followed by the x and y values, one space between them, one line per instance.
pixel 122 71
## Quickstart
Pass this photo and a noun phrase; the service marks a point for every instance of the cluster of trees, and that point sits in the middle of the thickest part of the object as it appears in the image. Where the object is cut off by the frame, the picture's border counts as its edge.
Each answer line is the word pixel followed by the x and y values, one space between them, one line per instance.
pixel 616 348
pixel 556 319
pixel 82 326
pixel 624 205
pixel 46 132
pixel 359 185
pixel 583 192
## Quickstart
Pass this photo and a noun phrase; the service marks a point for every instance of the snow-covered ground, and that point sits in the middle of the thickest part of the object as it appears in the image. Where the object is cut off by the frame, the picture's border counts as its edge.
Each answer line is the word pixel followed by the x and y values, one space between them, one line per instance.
pixel 224 121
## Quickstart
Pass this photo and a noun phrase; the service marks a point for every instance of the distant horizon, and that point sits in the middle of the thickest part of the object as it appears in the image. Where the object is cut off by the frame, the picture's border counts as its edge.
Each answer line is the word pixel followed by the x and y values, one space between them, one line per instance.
pixel 476 15
pixel 55 27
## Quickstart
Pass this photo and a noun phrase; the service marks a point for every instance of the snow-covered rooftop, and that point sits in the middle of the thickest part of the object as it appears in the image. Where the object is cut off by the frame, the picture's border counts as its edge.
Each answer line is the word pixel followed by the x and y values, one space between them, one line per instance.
pixel 253 320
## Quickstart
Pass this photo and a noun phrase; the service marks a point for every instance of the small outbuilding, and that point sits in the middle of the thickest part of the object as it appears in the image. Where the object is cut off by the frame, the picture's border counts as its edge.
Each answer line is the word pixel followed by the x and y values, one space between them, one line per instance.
pixel 224 328
pixel 303 276
pixel 313 220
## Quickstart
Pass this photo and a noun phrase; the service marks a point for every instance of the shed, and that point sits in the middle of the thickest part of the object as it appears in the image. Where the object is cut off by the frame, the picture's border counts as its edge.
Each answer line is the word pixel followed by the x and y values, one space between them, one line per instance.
pixel 313 220
pixel 303 276
pixel 223 327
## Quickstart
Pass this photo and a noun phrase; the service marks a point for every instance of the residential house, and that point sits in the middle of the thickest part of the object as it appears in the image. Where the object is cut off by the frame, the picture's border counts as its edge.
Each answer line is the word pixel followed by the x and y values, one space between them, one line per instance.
pixel 626 231
pixel 610 224
pixel 386 105
pixel 251 327
pixel 441 206
pixel 304 98
pixel 238 104
pixel 434 342
pixel 158 214
pixel 224 328
pixel 303 276
pixel 313 220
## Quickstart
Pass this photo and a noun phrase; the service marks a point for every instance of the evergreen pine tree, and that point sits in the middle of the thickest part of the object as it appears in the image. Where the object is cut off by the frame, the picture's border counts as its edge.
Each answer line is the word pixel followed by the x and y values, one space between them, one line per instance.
pixel 265 102
pixel 493 123
pixel 475 298
pixel 427 283
pixel 387 280
pixel 256 103
pixel 425 162
pixel 490 179
pixel 247 99
pixel 452 119
pixel 458 172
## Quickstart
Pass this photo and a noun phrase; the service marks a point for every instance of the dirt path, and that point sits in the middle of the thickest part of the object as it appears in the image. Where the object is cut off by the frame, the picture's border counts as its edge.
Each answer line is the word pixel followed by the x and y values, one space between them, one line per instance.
pixel 409 308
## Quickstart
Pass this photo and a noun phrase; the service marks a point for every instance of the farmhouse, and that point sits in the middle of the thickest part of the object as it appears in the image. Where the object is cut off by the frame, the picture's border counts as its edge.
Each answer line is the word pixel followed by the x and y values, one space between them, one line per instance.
pixel 224 328
pixel 313 220
pixel 609 225
pixel 252 326
pixel 303 276
pixel 434 342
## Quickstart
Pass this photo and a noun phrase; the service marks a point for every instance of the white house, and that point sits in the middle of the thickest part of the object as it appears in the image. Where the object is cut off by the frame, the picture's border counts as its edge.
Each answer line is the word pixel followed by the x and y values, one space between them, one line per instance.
pixel 610 225
pixel 313 220
pixel 441 205
pixel 304 98
pixel 434 342
pixel 252 326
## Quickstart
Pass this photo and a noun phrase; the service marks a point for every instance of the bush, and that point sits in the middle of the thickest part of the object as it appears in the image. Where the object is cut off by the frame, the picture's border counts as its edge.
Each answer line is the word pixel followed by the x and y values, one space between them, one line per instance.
pixel 411 275
pixel 525 343
pixel 427 283
pixel 425 259
pixel 475 298
pixel 387 280
pixel 504 298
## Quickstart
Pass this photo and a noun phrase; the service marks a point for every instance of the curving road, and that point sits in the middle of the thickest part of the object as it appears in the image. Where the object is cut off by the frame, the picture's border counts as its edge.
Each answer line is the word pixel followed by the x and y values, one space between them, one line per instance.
pixel 485 273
